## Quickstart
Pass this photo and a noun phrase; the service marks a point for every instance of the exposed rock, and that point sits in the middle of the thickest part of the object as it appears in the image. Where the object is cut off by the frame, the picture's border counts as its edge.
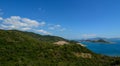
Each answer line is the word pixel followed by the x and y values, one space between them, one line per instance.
pixel 61 42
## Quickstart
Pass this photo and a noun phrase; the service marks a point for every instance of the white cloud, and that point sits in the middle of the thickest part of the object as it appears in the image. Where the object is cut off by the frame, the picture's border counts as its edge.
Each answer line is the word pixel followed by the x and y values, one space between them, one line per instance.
pixel 1 18
pixel 89 35
pixel 24 24
pixel 16 22
pixel 56 27
pixel 29 22
pixel 53 27
pixel 43 32
pixel 63 29
pixel 42 24
pixel 26 29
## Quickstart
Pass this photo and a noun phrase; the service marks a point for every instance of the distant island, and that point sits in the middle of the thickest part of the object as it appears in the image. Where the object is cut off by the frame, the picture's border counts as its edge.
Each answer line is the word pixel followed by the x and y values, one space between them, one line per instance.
pixel 97 40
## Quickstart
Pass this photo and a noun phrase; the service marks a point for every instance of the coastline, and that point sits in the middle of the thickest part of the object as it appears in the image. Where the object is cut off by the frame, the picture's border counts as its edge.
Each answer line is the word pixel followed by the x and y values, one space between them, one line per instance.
pixel 111 49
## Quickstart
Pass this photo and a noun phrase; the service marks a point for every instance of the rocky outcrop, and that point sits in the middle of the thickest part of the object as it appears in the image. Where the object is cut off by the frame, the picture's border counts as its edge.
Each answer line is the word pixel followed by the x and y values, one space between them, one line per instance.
pixel 61 42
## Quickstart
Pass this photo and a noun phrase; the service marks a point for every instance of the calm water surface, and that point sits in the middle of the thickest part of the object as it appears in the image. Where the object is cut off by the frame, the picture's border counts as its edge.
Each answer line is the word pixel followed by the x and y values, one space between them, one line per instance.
pixel 105 49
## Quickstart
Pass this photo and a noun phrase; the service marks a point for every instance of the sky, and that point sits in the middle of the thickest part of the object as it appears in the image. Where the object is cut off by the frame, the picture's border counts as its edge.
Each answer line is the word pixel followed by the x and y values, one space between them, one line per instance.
pixel 71 19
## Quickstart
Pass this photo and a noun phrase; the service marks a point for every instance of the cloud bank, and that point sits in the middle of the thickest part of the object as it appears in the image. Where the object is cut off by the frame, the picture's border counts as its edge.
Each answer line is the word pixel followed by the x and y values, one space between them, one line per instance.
pixel 26 24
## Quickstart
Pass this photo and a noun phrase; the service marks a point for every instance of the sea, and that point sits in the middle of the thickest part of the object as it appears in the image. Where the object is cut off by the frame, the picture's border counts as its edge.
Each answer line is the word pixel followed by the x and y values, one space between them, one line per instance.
pixel 112 49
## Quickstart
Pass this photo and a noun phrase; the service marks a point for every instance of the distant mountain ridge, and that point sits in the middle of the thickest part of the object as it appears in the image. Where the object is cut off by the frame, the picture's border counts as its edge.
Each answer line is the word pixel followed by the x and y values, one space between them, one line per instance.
pixel 97 40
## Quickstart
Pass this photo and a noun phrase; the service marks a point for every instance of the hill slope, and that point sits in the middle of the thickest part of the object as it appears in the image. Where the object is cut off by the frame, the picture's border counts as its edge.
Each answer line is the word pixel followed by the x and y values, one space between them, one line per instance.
pixel 19 48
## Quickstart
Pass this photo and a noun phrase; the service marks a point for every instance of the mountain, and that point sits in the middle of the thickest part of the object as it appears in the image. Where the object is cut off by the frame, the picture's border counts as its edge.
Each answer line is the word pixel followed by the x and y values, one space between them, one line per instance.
pixel 97 40
pixel 18 48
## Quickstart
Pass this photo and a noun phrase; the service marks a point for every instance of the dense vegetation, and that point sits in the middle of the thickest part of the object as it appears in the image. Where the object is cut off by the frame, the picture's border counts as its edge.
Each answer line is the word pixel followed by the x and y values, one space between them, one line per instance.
pixel 19 48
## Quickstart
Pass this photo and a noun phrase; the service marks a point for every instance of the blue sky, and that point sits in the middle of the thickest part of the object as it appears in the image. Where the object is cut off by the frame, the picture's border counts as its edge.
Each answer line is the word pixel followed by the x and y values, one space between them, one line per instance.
pixel 72 19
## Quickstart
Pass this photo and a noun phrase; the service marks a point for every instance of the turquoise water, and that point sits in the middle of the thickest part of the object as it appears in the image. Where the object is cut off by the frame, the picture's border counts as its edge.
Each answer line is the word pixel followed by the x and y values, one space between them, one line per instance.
pixel 105 49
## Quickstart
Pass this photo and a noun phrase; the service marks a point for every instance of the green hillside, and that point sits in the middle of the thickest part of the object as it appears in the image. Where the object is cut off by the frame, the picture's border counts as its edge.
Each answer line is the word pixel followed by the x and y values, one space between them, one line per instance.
pixel 18 48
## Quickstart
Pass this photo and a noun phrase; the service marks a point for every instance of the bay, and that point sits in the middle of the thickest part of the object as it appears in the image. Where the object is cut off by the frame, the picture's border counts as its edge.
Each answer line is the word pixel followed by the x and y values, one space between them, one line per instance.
pixel 104 49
